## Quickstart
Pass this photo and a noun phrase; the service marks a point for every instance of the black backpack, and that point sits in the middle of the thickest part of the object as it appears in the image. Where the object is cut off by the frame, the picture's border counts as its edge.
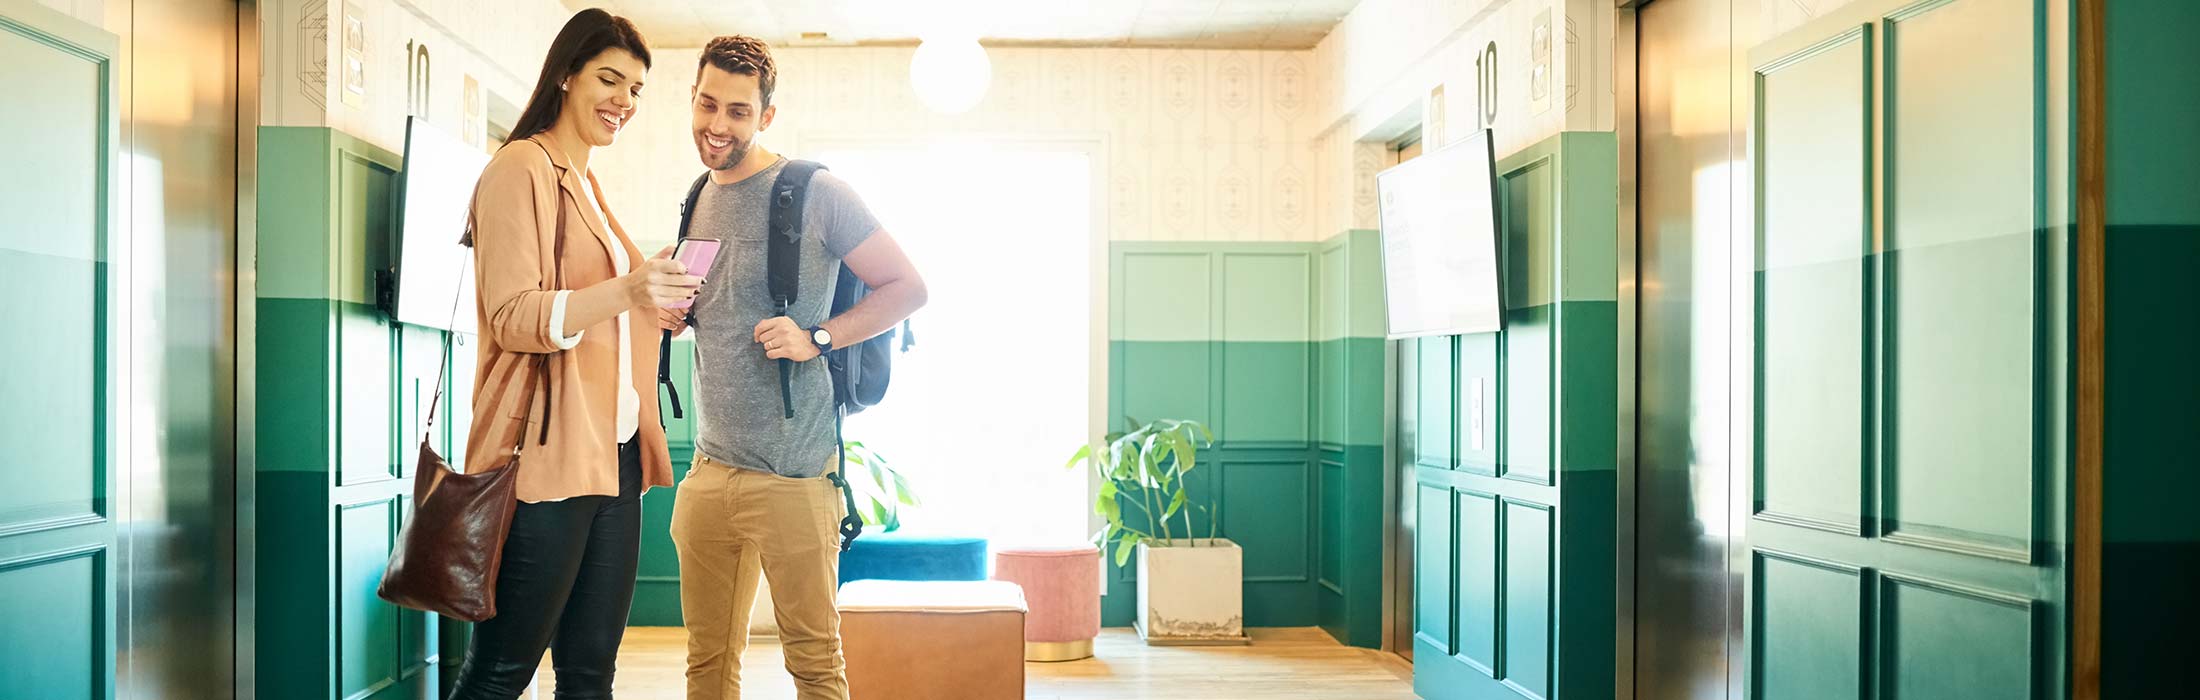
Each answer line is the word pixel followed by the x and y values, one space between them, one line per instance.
pixel 860 372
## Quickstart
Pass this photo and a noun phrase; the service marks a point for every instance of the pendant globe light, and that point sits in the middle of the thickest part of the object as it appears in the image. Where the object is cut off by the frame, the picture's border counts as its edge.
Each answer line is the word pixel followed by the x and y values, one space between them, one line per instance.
pixel 950 72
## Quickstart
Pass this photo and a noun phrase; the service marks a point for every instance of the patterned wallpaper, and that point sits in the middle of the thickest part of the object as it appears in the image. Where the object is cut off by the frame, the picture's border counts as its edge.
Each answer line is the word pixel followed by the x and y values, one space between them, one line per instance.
pixel 1201 145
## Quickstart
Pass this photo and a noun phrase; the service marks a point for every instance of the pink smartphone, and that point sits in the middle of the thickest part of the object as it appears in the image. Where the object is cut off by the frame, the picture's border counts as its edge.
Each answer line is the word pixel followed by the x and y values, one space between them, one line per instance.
pixel 696 254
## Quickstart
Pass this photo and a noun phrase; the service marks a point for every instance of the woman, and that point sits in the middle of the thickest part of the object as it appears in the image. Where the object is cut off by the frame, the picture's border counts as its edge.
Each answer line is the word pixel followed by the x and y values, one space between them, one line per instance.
pixel 579 309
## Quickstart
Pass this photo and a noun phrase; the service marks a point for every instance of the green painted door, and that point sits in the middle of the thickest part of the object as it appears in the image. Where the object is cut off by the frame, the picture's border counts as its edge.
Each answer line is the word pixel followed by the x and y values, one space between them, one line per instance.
pixel 1513 437
pixel 59 371
pixel 1908 382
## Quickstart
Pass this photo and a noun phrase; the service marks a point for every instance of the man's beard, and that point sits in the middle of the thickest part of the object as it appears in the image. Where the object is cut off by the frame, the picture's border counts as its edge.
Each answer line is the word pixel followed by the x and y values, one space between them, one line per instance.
pixel 735 151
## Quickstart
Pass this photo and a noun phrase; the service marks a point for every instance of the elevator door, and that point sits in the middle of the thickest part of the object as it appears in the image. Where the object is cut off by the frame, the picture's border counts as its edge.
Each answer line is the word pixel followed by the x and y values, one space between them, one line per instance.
pixel 1853 230
pixel 118 281
pixel 1685 170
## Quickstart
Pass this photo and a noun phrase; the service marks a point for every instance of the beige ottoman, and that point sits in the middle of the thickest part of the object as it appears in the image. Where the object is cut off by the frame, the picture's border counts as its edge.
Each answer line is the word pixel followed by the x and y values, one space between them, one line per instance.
pixel 933 640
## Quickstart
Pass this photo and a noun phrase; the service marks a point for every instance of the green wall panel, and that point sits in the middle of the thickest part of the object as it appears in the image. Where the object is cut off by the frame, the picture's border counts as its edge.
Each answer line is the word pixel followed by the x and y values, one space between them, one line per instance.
pixel 1945 642
pixel 54 444
pixel 1166 380
pixel 1528 403
pixel 2151 548
pixel 64 371
pixel 367 648
pixel 1525 656
pixel 1266 297
pixel 1164 296
pixel 2152 146
pixel 56 617
pixel 1478 600
pixel 294 214
pixel 365 429
pixel 297 413
pixel 1332 360
pixel 1909 389
pixel 1365 310
pixel 292 582
pixel 1960 286
pixel 1809 621
pixel 1276 548
pixel 1368 405
pixel 1265 391
pixel 1330 518
pixel 1813 238
pixel 1536 488
pixel 341 391
pixel 1480 392
pixel 1433 438
pixel 1528 203
pixel 1333 301
pixel 1435 527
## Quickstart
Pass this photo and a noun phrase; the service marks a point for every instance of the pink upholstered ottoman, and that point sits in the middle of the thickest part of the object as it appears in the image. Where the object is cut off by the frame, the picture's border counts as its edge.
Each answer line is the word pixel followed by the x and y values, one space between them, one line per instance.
pixel 1062 588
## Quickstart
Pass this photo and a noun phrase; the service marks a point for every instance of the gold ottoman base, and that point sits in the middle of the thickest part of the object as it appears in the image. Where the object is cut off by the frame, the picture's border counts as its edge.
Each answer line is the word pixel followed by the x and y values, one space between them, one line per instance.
pixel 1058 651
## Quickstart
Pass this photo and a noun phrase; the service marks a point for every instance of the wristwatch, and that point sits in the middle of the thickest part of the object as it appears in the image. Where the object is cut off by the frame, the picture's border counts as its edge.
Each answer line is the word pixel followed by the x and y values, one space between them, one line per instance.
pixel 822 338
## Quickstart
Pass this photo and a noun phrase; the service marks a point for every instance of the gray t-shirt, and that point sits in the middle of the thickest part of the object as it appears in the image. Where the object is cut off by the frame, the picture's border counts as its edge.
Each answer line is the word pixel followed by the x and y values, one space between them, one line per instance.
pixel 739 418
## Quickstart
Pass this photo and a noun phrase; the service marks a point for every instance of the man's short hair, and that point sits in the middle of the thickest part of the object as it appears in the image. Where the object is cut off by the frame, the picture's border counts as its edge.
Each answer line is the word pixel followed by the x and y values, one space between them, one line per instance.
pixel 742 55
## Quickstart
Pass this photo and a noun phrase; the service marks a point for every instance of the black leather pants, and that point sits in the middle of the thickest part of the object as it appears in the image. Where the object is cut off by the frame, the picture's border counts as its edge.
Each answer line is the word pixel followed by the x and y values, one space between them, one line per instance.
pixel 565 584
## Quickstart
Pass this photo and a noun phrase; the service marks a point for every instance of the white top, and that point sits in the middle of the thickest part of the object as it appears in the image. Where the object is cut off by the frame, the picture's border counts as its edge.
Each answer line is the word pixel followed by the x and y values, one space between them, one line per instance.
pixel 875 595
pixel 630 401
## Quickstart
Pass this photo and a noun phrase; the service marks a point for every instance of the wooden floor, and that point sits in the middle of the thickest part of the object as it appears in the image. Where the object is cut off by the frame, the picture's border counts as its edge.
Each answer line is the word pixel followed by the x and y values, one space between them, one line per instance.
pixel 1280 664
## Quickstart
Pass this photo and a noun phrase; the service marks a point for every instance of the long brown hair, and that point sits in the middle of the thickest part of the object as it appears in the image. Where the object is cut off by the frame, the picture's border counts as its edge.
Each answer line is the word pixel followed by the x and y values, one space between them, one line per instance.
pixel 587 35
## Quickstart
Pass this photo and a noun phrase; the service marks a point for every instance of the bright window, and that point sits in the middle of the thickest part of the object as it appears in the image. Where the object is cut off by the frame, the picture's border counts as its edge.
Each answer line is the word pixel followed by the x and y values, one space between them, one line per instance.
pixel 996 392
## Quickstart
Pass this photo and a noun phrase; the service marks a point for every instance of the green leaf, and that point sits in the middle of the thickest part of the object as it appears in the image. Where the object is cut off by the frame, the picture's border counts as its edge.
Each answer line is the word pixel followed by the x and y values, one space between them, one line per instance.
pixel 1083 453
pixel 1123 549
pixel 1175 504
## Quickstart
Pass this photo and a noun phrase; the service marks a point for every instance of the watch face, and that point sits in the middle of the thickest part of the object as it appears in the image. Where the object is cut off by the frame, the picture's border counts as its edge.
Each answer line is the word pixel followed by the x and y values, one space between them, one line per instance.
pixel 821 337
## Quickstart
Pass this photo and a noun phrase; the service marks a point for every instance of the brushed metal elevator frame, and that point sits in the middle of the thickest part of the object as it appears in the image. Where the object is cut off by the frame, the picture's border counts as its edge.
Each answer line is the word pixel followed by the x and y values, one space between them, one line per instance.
pixel 246 653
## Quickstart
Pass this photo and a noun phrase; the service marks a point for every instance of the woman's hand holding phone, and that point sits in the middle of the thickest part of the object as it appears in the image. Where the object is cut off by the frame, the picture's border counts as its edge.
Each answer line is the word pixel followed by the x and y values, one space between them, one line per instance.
pixel 662 282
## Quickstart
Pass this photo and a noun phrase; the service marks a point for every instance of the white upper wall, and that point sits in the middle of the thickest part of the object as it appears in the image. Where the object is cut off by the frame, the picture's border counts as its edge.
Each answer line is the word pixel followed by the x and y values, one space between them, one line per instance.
pixel 1201 145
pixel 1553 72
pixel 499 45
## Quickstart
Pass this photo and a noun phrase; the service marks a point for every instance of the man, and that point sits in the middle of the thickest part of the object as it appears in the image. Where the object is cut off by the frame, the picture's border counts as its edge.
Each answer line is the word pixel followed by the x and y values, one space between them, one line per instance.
pixel 757 496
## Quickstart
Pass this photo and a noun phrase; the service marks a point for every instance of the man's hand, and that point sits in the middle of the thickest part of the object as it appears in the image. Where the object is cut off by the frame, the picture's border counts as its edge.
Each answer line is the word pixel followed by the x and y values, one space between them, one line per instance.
pixel 783 340
pixel 674 320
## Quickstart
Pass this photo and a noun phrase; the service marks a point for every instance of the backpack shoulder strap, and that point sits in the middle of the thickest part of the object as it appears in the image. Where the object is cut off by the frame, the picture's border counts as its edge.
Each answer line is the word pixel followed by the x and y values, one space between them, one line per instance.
pixel 687 206
pixel 664 344
pixel 783 261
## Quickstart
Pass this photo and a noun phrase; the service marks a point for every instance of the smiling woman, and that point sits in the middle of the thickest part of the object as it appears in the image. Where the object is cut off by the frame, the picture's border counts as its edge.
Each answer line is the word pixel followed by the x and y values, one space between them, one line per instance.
pixel 561 288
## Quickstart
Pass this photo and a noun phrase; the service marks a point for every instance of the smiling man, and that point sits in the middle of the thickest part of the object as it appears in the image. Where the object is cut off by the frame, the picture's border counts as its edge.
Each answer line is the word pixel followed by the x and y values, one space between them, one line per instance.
pixel 757 497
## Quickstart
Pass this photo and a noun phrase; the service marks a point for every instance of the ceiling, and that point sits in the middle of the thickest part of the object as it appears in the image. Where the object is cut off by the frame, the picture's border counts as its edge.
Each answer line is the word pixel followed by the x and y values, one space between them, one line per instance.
pixel 1210 24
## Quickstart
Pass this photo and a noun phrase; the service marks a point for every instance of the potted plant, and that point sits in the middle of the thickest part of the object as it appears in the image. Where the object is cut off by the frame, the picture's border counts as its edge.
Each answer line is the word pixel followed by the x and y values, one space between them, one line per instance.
pixel 1190 588
pixel 880 490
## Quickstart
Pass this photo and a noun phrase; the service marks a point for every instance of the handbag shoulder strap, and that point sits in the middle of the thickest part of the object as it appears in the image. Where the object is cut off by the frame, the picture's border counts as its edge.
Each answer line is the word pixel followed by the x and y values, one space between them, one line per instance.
pixel 540 376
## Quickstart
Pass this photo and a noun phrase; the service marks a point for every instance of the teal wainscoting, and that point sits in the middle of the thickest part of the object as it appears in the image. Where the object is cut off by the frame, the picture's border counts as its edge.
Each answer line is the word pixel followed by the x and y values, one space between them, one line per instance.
pixel 341 392
pixel 1267 343
pixel 1514 439
pixel 2150 539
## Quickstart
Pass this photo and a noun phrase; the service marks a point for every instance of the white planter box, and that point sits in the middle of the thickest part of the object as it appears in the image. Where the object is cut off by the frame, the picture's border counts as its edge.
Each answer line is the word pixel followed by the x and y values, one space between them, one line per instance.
pixel 1192 594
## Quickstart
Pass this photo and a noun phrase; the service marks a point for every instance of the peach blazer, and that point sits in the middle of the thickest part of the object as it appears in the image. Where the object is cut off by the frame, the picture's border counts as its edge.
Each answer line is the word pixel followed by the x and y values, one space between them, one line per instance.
pixel 515 212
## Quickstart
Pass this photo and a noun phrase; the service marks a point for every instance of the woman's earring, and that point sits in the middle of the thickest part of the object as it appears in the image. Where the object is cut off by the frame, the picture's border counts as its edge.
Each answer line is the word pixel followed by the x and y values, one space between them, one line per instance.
pixel 564 86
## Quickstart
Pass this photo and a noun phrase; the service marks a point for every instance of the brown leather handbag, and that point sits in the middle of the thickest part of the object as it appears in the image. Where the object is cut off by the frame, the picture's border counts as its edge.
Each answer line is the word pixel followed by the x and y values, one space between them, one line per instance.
pixel 447 555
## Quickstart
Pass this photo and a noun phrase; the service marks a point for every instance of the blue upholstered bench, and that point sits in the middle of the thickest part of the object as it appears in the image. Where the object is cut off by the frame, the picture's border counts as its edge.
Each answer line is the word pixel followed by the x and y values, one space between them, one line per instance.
pixel 901 556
